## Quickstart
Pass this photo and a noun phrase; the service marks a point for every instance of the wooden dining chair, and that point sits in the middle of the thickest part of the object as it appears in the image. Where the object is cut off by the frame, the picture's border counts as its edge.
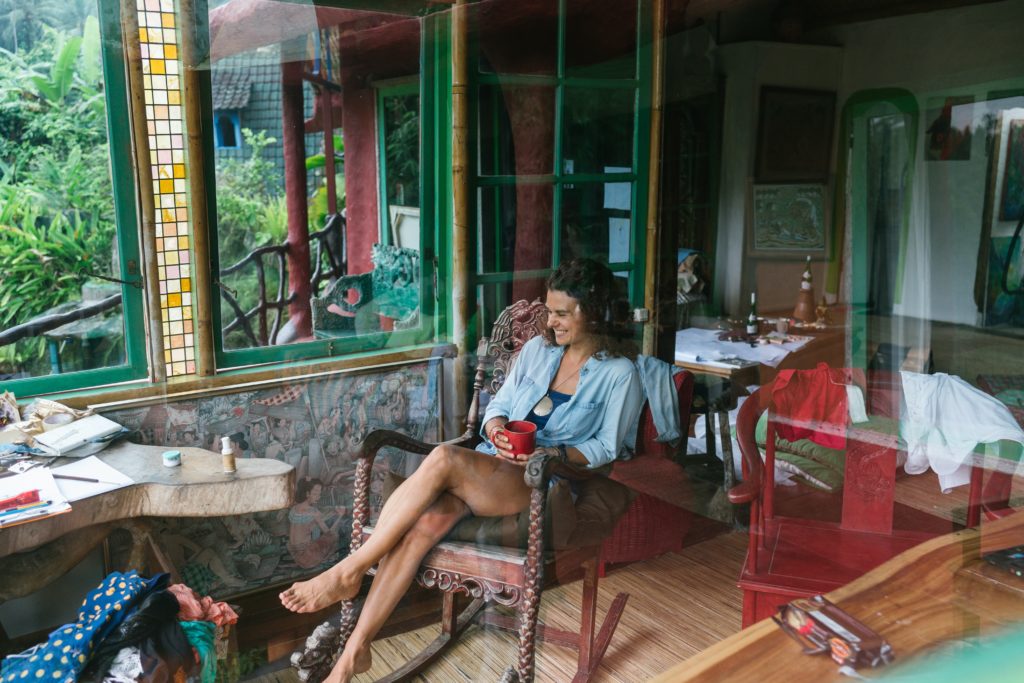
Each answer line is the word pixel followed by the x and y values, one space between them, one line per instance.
pixel 511 572
pixel 806 542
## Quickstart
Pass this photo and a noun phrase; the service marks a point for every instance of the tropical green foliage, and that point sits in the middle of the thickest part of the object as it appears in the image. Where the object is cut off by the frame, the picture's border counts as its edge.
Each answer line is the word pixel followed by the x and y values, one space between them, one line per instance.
pixel 252 212
pixel 57 223
pixel 250 204
pixel 402 149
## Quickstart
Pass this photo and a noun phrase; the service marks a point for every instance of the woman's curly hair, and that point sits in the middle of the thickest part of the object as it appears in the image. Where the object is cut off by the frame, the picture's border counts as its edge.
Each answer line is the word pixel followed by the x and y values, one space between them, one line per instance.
pixel 604 308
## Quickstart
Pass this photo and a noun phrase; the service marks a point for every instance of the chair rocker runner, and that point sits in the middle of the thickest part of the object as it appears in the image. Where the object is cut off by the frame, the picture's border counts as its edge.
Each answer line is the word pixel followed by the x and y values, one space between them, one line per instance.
pixel 509 576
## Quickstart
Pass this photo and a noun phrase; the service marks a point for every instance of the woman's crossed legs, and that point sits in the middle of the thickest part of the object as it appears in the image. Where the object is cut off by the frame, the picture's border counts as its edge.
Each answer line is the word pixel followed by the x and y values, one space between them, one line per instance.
pixel 450 483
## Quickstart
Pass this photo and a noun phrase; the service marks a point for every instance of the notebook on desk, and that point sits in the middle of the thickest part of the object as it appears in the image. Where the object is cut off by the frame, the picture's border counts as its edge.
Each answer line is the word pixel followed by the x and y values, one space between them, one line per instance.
pixel 30 496
pixel 71 439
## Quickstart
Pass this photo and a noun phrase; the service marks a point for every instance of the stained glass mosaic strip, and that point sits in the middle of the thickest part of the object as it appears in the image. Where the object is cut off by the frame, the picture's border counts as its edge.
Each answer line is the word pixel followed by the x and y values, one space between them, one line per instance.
pixel 161 68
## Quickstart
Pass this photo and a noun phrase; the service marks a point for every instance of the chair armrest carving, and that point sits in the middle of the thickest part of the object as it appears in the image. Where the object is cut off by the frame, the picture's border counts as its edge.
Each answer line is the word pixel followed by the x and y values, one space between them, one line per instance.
pixel 541 466
pixel 746 424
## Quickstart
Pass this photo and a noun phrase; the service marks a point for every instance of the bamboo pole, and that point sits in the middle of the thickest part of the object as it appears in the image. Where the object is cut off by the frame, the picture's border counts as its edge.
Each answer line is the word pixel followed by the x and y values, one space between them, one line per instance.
pixel 460 208
pixel 201 274
pixel 147 204
pixel 654 175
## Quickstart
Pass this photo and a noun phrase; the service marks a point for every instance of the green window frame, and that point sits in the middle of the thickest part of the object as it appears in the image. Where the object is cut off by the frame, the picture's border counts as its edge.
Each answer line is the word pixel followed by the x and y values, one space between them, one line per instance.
pixel 434 88
pixel 561 179
pixel 135 367
pixel 853 160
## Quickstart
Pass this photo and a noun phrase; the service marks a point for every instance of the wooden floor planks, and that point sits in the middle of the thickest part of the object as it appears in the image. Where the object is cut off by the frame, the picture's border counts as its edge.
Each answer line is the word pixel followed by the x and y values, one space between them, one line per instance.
pixel 679 604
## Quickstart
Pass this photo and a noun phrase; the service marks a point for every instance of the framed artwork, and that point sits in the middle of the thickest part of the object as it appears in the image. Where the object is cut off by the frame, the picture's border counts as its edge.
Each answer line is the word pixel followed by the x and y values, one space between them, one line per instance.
pixel 950 121
pixel 794 135
pixel 1012 206
pixel 788 221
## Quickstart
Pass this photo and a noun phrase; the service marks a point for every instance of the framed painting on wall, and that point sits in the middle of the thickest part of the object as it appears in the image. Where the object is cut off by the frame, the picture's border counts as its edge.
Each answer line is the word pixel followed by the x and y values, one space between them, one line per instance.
pixel 1012 206
pixel 788 221
pixel 794 135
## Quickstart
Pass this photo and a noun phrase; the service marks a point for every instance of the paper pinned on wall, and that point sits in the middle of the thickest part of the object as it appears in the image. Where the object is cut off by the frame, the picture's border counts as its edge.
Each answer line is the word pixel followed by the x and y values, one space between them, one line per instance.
pixel 618 240
pixel 617 195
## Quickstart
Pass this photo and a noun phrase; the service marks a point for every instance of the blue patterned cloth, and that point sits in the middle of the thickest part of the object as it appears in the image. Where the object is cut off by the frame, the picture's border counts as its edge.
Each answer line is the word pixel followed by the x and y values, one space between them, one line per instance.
pixel 69 647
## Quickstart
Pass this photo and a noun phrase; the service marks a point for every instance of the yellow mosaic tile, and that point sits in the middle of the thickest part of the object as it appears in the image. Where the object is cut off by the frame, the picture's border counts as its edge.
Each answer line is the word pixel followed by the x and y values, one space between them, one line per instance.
pixel 161 67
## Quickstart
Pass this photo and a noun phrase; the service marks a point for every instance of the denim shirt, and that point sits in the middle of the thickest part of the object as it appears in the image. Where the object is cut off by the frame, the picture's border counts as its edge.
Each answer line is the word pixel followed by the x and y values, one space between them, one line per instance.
pixel 597 420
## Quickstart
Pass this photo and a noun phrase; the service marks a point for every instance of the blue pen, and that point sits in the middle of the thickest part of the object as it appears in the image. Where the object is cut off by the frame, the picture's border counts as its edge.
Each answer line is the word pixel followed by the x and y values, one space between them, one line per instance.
pixel 32 514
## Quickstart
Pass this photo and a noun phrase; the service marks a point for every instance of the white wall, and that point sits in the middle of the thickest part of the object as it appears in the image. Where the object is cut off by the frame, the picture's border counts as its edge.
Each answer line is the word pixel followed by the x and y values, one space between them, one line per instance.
pixel 968 51
pixel 748 66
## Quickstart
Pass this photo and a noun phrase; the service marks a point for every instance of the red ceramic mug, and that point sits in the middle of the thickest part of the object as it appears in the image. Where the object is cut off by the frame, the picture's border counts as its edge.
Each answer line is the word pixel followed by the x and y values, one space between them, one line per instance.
pixel 521 435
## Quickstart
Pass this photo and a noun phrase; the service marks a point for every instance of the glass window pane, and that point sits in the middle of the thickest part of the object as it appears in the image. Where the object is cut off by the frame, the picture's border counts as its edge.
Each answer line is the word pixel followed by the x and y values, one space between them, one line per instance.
pixel 502 29
pixel 401 120
pixel 600 42
pixel 308 121
pixel 516 130
pixel 515 227
pixel 596 221
pixel 598 130
pixel 58 234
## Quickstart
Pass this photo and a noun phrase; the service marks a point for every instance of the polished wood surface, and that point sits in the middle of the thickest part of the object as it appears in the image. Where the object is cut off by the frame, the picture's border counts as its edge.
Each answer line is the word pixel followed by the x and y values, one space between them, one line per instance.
pixel 198 488
pixel 916 600
pixel 34 554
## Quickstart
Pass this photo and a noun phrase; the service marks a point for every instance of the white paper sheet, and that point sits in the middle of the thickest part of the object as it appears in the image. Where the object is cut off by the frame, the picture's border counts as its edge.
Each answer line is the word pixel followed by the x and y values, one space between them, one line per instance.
pixel 91 468
pixel 694 345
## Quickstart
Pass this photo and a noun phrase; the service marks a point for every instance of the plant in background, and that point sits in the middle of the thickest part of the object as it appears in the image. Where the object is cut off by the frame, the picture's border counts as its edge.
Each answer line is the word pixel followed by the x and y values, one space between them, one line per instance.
pixel 318 201
pixel 248 202
pixel 57 221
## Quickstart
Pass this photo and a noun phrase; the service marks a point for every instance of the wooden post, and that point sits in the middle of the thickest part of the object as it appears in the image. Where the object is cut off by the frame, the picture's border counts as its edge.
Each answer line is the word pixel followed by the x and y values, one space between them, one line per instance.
pixel 202 277
pixel 461 257
pixel 654 175
pixel 293 139
pixel 147 204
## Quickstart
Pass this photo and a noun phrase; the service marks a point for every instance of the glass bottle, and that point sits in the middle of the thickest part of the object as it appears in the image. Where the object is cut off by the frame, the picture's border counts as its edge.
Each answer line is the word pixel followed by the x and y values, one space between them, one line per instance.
pixel 752 327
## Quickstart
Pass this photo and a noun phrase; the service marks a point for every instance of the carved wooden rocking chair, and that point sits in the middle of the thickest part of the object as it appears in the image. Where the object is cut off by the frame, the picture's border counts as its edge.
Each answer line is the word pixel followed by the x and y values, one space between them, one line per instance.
pixel 510 576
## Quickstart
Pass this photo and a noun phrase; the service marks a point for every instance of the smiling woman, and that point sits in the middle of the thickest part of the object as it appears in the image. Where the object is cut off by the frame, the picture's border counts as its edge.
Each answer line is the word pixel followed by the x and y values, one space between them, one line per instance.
pixel 594 398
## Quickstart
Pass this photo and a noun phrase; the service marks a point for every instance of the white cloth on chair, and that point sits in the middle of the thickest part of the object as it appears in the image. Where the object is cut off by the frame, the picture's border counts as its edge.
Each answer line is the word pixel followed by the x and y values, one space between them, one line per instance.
pixel 945 419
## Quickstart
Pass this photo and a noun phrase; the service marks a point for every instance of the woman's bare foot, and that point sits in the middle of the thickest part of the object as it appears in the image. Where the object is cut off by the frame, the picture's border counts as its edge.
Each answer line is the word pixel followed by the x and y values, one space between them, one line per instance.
pixel 347 666
pixel 334 585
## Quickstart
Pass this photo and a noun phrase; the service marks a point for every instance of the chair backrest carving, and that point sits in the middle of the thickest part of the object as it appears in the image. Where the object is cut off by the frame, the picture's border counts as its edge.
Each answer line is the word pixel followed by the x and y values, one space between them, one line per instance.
pixel 516 325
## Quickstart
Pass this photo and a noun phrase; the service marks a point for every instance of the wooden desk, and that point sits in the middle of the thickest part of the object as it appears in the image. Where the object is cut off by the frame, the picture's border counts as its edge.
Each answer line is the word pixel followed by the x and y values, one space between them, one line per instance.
pixel 826 346
pixel 198 488
pixel 925 596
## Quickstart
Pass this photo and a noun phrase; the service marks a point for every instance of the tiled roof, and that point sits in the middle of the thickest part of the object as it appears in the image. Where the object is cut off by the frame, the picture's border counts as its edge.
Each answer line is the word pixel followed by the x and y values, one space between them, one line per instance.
pixel 231 89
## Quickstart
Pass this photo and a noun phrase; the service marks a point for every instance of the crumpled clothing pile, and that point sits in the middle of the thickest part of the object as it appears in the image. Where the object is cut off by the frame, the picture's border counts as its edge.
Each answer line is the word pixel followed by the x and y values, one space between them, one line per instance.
pixel 130 629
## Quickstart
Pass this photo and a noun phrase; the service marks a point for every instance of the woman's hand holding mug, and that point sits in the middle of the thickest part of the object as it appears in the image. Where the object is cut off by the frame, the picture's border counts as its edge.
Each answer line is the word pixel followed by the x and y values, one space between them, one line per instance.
pixel 515 441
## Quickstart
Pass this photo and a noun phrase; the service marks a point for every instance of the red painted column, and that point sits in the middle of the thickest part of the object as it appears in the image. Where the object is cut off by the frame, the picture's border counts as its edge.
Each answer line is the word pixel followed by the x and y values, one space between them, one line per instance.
pixel 293 140
pixel 361 199
pixel 531 112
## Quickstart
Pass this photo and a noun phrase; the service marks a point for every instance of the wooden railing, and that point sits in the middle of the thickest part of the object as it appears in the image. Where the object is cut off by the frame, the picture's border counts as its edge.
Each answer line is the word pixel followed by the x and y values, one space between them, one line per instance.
pixel 329 261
